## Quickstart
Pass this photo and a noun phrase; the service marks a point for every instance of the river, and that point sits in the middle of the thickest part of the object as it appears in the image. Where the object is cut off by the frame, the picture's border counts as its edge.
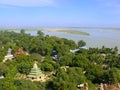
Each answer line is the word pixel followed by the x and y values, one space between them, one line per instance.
pixel 97 38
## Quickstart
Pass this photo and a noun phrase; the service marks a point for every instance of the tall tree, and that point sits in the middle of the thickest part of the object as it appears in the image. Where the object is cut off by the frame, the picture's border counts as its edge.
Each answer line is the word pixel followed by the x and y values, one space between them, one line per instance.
pixel 22 31
pixel 40 33
pixel 81 43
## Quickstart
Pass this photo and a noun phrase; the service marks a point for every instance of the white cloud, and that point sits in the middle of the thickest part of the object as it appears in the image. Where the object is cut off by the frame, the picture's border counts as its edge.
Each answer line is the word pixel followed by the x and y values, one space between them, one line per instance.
pixel 27 3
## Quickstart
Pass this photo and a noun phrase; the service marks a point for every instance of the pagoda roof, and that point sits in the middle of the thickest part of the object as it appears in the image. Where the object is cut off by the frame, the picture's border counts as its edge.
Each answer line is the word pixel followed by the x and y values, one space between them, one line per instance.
pixel 35 72
pixel 19 52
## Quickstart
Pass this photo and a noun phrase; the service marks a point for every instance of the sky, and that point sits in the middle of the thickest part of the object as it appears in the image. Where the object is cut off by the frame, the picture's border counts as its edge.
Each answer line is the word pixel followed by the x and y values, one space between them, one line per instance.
pixel 53 13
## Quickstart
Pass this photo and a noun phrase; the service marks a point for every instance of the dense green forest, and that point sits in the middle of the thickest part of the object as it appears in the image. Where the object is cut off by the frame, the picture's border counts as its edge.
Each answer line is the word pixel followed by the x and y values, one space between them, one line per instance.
pixel 93 65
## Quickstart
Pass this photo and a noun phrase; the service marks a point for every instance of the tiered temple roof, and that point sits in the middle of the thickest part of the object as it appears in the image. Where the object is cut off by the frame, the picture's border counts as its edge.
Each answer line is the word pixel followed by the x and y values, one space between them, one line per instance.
pixel 35 73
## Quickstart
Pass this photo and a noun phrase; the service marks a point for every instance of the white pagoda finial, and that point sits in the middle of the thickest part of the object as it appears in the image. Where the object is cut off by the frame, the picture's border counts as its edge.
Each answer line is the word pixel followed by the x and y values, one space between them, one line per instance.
pixel 9 51
pixel 35 65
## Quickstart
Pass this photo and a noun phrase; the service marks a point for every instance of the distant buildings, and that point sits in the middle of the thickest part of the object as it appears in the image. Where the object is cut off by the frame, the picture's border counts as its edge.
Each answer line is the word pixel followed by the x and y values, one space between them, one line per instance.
pixel 76 50
pixel 83 47
pixel 10 56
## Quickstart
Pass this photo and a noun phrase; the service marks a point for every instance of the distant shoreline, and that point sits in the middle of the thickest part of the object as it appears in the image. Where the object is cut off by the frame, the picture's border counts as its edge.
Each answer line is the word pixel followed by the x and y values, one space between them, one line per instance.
pixel 61 30
pixel 97 38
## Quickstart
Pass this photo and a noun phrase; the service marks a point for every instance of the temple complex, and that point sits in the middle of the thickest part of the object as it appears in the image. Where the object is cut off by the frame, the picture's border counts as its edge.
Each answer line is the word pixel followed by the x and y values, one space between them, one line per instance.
pixel 36 74
pixel 9 56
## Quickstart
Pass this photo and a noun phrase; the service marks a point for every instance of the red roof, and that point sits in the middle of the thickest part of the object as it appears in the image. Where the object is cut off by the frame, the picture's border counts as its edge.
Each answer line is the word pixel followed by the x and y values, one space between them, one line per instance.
pixel 19 52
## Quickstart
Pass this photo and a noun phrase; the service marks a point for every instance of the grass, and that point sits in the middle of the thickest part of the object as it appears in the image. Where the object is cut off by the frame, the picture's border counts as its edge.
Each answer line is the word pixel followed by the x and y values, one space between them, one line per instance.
pixel 74 32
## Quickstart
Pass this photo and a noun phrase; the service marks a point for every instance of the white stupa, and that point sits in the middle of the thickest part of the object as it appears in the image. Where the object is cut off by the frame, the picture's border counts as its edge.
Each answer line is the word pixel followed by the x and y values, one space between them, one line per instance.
pixel 9 56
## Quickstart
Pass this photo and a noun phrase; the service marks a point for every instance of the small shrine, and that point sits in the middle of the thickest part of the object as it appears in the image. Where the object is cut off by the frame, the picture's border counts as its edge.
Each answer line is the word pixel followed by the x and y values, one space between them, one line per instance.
pixel 1 77
pixel 54 55
pixel 20 52
pixel 9 55
pixel 36 74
